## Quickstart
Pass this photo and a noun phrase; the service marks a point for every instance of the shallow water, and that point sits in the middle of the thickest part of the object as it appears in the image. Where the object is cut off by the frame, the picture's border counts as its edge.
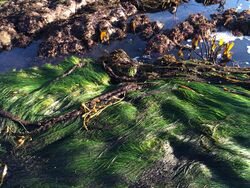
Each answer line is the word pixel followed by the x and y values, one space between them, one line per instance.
pixel 23 58
pixel 241 50
pixel 193 7
pixel 133 45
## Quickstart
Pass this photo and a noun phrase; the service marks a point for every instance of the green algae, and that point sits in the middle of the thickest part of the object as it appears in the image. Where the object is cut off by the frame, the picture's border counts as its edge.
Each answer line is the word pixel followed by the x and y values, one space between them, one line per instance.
pixel 201 134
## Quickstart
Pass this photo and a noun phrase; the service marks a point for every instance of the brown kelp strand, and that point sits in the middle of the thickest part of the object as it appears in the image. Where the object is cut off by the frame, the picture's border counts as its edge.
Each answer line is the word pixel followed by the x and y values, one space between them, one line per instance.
pixel 14 118
pixel 96 104
pixel 141 25
pixel 120 66
pixel 65 74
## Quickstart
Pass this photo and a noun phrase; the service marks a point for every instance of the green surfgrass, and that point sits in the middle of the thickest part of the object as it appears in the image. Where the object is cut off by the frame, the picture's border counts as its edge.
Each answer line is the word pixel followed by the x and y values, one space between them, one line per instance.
pixel 166 135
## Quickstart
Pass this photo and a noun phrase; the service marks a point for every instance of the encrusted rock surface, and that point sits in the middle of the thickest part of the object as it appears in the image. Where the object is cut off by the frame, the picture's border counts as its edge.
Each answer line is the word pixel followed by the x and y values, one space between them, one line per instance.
pixel 85 29
pixel 210 2
pixel 146 29
pixel 152 5
pixel 237 22
pixel 195 24
pixel 22 20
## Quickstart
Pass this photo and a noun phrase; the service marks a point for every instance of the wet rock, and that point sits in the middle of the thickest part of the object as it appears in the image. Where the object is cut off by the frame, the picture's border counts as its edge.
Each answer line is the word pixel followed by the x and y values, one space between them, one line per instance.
pixel 210 2
pixel 202 25
pixel 121 63
pixel 167 59
pixel 98 26
pixel 27 18
pixel 180 33
pixel 22 40
pixel 159 44
pixel 142 25
pixel 7 33
pixel 196 24
pixel 152 5
pixel 121 67
pixel 30 22
pixel 163 171
pixel 84 30
pixel 237 22
pixel 5 39
pixel 64 44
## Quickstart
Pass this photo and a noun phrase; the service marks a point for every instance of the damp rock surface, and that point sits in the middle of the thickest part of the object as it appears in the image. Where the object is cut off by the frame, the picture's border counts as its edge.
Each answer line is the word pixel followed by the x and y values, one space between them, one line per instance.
pixel 84 30
pixel 23 20
pixel 195 24
pixel 236 21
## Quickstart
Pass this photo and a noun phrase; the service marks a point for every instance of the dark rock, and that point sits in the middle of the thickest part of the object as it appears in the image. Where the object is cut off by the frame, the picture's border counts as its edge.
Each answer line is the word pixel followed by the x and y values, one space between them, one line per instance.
pixel 195 24
pixel 237 22
pixel 26 19
pixel 159 44
pixel 142 25
pixel 83 30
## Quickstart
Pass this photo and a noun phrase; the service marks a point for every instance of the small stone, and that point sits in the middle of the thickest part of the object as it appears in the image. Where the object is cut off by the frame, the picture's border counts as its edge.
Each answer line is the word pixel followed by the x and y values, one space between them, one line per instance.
pixel 5 38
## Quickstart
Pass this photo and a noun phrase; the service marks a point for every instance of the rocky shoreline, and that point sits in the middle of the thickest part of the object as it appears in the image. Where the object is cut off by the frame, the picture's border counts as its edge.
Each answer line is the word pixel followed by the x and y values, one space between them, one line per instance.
pixel 22 21
pixel 75 27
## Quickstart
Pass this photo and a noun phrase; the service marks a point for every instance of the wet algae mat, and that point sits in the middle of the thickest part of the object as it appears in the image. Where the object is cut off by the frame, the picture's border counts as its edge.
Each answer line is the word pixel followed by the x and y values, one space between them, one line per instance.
pixel 172 134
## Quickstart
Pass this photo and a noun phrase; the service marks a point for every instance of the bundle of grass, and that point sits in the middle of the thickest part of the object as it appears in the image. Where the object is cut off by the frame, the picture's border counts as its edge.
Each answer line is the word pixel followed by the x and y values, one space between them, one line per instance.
pixel 170 133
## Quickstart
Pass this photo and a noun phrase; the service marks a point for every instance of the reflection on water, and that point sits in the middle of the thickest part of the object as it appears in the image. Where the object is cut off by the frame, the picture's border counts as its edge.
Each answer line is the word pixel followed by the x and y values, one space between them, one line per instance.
pixel 242 44
pixel 133 45
pixel 192 7
pixel 18 57
pixel 22 58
